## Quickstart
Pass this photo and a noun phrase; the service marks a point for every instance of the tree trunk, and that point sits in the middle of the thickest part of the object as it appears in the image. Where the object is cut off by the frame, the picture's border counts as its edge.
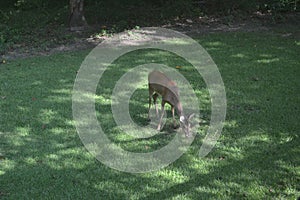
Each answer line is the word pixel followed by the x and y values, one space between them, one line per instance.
pixel 77 20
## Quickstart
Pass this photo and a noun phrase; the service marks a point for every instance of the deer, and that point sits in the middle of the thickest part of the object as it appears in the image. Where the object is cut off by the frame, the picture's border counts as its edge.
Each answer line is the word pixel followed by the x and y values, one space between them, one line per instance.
pixel 160 84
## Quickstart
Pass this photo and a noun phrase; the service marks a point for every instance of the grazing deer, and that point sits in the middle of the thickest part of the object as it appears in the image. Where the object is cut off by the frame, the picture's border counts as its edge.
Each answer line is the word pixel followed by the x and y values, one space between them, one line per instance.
pixel 160 84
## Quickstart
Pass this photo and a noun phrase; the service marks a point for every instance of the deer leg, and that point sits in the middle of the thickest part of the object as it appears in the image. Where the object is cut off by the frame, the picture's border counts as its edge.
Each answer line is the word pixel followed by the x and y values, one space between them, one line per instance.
pixel 173 114
pixel 154 101
pixel 150 96
pixel 162 115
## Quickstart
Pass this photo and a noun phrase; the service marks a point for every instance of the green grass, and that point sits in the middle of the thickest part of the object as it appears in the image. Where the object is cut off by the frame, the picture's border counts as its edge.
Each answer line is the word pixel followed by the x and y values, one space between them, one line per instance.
pixel 257 156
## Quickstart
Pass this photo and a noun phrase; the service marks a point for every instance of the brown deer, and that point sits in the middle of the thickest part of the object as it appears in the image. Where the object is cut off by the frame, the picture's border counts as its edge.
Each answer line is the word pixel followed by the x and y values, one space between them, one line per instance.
pixel 160 84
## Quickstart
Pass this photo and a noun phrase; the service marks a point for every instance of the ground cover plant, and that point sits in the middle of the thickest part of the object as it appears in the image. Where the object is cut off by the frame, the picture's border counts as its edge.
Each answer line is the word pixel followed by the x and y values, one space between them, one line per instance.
pixel 257 156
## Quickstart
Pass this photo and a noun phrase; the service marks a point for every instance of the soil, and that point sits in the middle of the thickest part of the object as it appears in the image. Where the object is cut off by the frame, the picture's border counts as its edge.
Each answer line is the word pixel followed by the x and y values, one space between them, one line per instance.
pixel 190 27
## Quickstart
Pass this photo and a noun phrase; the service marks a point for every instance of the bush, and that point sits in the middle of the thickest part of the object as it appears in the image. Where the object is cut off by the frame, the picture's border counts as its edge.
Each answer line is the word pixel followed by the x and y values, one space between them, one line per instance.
pixel 227 6
pixel 279 5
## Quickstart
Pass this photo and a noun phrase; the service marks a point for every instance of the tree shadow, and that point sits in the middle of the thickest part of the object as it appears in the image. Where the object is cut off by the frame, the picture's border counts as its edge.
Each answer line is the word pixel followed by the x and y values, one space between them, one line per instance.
pixel 255 158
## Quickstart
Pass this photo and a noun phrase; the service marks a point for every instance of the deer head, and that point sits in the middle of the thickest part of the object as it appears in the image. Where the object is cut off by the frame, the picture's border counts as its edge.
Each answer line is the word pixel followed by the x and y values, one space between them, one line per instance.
pixel 185 123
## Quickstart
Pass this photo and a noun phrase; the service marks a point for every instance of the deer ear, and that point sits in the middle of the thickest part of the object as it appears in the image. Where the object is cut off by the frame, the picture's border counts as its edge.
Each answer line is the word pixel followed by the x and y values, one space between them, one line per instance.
pixel 191 116
pixel 181 119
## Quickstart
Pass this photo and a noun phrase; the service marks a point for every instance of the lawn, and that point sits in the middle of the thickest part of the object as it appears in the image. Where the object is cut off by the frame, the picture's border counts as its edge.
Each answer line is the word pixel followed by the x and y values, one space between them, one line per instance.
pixel 256 157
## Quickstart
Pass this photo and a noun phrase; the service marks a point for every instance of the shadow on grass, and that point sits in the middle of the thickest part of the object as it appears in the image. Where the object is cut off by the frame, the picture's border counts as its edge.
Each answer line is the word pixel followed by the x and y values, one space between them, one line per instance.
pixel 256 156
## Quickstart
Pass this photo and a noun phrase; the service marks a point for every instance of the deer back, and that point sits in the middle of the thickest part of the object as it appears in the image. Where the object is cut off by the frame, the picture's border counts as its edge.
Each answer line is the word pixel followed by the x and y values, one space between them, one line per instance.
pixel 161 84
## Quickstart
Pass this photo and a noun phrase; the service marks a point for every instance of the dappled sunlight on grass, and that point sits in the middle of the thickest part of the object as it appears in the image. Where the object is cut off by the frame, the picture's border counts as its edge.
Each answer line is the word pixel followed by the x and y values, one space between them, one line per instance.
pixel 7 165
pixel 103 100
pixel 46 116
pixel 19 137
pixel 59 96
pixel 174 176
pixel 214 44
pixel 267 61
pixel 239 55
pixel 231 124
pixel 256 156
pixel 266 55
pixel 199 166
pixel 69 155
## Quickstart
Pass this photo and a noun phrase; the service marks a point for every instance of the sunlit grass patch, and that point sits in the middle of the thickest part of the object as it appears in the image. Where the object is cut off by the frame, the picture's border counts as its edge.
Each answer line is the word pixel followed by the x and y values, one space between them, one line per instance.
pixel 256 157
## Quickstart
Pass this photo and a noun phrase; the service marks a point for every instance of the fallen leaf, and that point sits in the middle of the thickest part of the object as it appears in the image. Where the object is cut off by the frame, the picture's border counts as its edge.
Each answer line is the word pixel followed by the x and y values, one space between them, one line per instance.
pixel 178 67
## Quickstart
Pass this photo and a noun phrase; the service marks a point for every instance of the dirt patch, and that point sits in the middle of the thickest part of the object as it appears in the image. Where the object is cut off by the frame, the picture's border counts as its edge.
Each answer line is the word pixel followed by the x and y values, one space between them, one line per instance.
pixel 28 51
pixel 210 25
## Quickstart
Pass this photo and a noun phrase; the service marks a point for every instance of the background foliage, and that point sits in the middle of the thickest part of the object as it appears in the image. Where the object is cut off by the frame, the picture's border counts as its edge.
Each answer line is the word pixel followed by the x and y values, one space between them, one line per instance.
pixel 33 20
pixel 137 10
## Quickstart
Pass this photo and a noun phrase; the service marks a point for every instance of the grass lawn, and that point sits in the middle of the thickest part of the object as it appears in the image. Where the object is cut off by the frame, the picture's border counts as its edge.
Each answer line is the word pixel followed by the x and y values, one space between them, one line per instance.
pixel 257 156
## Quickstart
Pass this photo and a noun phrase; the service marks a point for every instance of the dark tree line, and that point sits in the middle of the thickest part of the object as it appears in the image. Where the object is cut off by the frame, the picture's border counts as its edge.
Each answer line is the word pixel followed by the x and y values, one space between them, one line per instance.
pixel 77 20
pixel 77 11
